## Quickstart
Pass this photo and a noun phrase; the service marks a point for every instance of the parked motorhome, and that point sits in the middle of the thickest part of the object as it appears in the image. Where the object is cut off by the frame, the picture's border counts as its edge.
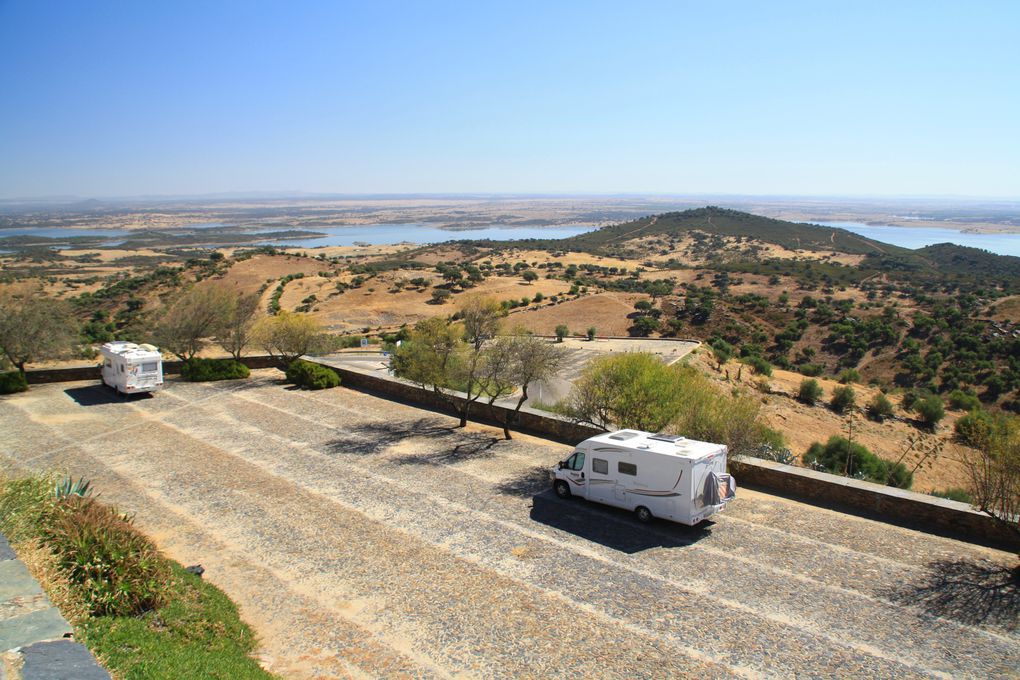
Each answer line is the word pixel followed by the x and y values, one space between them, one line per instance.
pixel 655 475
pixel 130 368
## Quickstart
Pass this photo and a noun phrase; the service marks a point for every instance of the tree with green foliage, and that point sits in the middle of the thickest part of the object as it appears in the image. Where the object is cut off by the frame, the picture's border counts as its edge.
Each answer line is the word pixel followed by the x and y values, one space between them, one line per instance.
pixel 529 276
pixel 975 429
pixel 561 332
pixel 722 351
pixel 995 475
pixel 34 326
pixel 632 390
pixel 590 333
pixel 880 408
pixel 636 390
pixel 517 361
pixel 810 391
pixel 843 399
pixel 196 315
pixel 235 333
pixel 448 357
pixel 288 336
pixel 930 409
pixel 645 325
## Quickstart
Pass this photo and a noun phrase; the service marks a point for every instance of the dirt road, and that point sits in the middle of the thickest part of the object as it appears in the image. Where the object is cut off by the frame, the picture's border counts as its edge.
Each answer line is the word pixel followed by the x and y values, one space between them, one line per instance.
pixel 364 538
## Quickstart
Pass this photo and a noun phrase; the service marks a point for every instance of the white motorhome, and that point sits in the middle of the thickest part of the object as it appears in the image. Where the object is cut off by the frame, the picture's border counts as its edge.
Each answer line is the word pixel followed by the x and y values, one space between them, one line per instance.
pixel 655 475
pixel 130 368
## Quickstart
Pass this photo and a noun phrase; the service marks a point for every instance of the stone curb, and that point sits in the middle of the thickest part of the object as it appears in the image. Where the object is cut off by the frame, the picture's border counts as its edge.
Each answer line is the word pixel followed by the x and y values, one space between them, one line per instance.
pixel 33 634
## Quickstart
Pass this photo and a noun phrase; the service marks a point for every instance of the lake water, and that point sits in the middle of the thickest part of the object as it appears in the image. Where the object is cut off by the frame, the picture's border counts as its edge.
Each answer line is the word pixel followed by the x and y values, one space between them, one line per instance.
pixel 919 237
pixel 61 232
pixel 383 234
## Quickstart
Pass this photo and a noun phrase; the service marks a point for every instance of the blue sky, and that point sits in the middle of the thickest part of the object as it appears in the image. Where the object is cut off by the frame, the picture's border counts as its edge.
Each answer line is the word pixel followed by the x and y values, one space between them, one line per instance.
pixel 850 98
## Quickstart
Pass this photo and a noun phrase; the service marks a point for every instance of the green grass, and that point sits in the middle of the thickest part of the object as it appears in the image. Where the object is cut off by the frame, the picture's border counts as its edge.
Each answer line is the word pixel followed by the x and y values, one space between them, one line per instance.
pixel 195 633
pixel 198 634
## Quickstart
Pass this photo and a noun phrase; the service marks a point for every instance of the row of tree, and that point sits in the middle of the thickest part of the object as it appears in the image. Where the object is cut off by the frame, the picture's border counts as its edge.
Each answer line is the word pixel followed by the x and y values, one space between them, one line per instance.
pixel 34 326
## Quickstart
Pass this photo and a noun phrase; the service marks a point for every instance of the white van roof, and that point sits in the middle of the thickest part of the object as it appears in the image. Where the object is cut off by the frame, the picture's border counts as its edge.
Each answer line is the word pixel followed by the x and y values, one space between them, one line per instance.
pixel 130 350
pixel 667 444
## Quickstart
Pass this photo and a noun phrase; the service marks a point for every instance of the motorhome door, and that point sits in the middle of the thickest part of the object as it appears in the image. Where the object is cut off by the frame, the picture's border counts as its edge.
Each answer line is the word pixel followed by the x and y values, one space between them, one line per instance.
pixel 575 474
pixel 600 483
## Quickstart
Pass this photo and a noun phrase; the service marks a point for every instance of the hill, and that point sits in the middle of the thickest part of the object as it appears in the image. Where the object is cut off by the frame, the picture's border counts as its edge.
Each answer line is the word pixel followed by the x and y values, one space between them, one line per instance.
pixel 724 222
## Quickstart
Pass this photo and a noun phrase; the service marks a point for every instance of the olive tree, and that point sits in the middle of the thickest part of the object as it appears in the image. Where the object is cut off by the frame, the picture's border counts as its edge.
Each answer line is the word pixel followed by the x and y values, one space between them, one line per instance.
pixel 448 357
pixel 995 474
pixel 288 336
pixel 235 333
pixel 518 361
pixel 184 326
pixel 34 326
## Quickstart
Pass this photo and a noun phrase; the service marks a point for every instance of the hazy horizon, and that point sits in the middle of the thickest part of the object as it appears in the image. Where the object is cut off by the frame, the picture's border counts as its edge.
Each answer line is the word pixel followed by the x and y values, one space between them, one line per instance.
pixel 869 101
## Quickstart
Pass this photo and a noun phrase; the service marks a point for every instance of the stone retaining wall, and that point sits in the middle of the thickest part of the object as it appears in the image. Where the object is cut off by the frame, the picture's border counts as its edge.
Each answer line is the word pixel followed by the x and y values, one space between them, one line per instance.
pixel 52 375
pixel 875 501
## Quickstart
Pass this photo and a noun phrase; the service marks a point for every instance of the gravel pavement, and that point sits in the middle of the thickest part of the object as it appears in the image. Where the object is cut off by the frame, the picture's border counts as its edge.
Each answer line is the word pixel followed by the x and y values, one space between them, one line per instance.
pixel 365 538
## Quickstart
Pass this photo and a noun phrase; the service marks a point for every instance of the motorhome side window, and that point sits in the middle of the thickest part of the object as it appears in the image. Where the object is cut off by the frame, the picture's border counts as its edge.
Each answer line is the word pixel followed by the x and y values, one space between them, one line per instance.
pixel 600 466
pixel 626 468
pixel 576 461
pixel 149 367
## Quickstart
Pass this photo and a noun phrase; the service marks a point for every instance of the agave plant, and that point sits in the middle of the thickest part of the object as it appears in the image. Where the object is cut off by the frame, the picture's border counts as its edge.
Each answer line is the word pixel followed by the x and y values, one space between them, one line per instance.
pixel 68 487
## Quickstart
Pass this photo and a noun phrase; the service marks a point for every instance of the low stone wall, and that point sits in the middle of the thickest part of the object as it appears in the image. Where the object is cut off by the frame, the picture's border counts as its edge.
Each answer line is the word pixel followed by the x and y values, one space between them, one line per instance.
pixel 52 375
pixel 884 503
pixel 875 501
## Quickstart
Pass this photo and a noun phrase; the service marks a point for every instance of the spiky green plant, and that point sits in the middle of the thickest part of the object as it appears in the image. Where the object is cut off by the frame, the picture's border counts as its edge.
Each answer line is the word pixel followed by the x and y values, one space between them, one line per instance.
pixel 67 487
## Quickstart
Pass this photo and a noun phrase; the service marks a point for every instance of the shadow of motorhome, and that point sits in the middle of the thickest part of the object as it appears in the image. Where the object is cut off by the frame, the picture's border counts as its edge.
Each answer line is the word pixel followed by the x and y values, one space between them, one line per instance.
pixel 612 527
pixel 97 395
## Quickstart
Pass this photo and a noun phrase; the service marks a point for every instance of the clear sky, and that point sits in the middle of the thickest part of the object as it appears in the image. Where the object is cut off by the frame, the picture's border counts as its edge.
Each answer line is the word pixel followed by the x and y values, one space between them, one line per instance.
pixel 849 98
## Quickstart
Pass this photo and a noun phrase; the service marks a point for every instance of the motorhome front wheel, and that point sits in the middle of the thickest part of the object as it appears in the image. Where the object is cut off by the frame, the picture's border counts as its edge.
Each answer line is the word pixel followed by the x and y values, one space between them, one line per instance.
pixel 562 489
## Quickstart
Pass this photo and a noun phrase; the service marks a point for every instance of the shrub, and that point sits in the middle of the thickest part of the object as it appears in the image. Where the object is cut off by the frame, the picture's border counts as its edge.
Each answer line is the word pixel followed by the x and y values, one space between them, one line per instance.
pixel 930 409
pixel 312 376
pixel 636 390
pixel 839 456
pixel 954 494
pixel 811 370
pixel 849 375
pixel 208 370
pixel 810 391
pixel 843 399
pixel 722 350
pixel 561 332
pixel 591 333
pixel 12 382
pixel 880 408
pixel 112 567
pixel 960 400
pixel 760 365
pixel 975 428
pixel 910 397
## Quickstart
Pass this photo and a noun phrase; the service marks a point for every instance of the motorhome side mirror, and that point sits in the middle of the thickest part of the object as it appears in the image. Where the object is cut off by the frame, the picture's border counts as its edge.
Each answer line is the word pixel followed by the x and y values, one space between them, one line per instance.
pixel 563 464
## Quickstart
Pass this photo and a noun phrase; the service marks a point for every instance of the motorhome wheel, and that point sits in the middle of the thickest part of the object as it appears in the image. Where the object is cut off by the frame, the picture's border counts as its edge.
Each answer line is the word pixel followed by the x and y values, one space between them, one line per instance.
pixel 562 489
pixel 644 515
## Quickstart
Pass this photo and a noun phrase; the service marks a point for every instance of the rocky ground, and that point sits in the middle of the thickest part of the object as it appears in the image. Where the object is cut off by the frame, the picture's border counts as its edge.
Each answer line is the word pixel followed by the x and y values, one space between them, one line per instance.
pixel 362 537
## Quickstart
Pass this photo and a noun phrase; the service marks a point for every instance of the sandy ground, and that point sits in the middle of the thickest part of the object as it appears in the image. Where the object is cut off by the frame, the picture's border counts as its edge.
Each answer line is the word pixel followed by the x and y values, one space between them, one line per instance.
pixel 607 312
pixel 365 538
pixel 804 425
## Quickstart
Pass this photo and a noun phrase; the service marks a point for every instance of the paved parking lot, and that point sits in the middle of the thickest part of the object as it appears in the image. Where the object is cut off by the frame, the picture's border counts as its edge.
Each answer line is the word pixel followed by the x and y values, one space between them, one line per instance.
pixel 361 537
